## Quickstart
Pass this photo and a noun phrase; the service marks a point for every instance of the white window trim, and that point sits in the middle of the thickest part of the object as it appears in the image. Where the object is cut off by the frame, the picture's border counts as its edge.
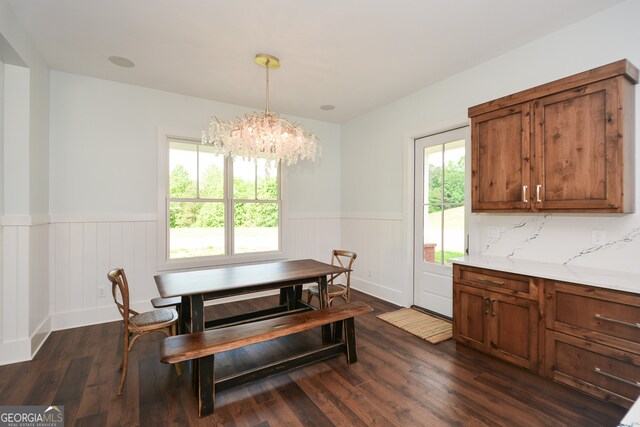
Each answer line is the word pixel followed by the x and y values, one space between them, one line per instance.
pixel 164 263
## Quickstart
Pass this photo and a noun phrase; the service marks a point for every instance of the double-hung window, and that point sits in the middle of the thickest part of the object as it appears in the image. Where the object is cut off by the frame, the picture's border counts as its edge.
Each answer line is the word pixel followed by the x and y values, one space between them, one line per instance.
pixel 218 208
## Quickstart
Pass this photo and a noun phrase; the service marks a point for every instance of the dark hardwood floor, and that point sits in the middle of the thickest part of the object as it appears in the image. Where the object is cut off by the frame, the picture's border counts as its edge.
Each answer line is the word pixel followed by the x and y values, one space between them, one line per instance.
pixel 398 380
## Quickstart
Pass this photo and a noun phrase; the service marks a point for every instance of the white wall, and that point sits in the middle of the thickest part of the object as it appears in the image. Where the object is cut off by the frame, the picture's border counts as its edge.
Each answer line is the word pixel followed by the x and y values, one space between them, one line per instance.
pixel 103 189
pixel 104 147
pixel 1 139
pixel 374 172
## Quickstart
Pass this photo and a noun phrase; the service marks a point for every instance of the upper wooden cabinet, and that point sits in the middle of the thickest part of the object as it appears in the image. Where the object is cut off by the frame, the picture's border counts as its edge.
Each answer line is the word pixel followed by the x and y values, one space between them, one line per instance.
pixel 566 146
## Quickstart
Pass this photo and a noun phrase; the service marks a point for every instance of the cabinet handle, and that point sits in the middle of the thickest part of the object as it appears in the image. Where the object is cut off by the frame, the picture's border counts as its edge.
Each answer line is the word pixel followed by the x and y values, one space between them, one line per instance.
pixel 614 377
pixel 494 282
pixel 524 194
pixel 486 306
pixel 493 307
pixel 538 188
pixel 620 322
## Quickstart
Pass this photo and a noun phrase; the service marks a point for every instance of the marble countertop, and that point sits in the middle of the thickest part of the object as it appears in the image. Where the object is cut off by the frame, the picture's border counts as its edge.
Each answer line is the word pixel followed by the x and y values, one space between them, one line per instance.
pixel 609 279
pixel 632 419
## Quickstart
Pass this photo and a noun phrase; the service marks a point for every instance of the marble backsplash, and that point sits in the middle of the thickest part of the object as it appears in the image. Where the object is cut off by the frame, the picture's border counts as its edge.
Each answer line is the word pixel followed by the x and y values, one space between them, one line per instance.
pixel 561 239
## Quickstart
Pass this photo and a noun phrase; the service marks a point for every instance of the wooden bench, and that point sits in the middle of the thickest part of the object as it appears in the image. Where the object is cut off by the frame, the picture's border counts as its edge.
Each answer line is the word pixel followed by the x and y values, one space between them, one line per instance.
pixel 165 302
pixel 201 347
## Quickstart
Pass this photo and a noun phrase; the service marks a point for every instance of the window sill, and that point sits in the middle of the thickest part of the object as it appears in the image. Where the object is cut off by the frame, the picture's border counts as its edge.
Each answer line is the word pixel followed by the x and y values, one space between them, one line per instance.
pixel 218 261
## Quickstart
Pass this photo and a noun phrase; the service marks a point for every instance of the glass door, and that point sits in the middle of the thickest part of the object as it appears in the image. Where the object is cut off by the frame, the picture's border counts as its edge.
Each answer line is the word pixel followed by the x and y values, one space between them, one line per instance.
pixel 440 216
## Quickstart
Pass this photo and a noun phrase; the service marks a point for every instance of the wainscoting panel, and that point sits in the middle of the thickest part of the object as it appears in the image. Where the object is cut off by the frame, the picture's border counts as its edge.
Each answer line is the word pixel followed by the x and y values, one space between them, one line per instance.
pixel 24 303
pixel 83 254
pixel 83 251
pixel 312 236
pixel 379 241
pixel 39 280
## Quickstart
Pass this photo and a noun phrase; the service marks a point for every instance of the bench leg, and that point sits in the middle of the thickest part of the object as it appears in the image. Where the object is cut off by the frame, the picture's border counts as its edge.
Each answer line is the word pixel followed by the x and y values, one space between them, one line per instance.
pixel 337 331
pixel 350 338
pixel 206 385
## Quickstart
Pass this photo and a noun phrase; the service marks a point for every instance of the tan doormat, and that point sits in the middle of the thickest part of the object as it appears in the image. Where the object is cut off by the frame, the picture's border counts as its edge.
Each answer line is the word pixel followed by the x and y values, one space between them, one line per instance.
pixel 422 325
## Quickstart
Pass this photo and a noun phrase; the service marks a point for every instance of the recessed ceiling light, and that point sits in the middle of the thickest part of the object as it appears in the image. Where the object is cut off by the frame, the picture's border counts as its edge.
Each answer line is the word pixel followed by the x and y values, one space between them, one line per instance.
pixel 121 62
pixel 327 107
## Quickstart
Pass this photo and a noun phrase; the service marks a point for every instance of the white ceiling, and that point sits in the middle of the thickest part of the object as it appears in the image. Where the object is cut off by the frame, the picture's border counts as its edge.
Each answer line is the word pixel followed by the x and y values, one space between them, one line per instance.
pixel 355 54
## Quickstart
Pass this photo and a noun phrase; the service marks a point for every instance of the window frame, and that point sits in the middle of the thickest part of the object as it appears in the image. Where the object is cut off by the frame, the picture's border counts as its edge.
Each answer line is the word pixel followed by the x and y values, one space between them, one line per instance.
pixel 166 263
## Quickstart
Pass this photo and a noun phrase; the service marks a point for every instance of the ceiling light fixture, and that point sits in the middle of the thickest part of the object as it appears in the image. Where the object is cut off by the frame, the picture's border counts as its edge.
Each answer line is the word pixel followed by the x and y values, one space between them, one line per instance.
pixel 262 135
pixel 121 62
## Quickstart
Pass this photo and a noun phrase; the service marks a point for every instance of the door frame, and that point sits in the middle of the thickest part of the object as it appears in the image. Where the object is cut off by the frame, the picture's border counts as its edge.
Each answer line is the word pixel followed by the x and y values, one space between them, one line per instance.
pixel 408 199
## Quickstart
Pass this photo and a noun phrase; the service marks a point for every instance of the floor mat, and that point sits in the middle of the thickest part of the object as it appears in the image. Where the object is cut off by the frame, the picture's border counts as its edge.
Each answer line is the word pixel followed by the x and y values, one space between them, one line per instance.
pixel 422 325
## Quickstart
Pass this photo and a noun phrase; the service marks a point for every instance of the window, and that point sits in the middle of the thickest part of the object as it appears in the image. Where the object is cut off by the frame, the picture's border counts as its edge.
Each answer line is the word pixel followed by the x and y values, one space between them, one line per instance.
pixel 444 211
pixel 219 207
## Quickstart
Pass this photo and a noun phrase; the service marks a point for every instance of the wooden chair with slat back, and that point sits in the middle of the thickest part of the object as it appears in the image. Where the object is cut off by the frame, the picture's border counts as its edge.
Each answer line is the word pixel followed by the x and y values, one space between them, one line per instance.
pixel 339 258
pixel 137 324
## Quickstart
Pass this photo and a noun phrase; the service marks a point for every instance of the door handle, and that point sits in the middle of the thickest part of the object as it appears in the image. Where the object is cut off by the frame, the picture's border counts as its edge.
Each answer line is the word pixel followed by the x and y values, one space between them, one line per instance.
pixel 538 188
pixel 524 194
pixel 617 378
pixel 493 307
pixel 486 306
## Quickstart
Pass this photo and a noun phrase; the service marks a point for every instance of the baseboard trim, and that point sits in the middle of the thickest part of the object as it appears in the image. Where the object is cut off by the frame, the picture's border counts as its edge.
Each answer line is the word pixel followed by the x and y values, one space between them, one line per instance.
pixel 40 335
pixel 15 351
pixel 393 296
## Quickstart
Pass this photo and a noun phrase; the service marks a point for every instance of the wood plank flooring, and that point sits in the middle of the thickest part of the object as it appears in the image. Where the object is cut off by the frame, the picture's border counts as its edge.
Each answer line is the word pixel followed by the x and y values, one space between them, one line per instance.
pixel 398 380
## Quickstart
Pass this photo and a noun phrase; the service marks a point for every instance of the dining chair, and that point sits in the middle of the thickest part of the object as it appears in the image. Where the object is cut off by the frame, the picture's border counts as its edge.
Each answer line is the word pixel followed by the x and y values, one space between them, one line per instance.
pixel 343 259
pixel 137 324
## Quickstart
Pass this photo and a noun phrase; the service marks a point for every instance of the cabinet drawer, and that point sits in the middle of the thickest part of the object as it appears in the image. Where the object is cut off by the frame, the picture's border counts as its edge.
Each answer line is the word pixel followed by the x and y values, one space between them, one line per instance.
pixel 595 369
pixel 607 317
pixel 495 280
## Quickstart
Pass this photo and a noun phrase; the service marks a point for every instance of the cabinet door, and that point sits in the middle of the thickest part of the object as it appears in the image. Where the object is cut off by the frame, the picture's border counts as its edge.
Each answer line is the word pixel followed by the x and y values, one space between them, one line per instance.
pixel 470 317
pixel 500 168
pixel 514 330
pixel 577 149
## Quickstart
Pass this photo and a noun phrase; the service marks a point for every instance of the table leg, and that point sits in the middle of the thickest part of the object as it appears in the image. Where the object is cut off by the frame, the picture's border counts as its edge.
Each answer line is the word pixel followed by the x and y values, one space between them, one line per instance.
pixel 324 302
pixel 196 324
pixel 290 298
pixel 185 315
pixel 298 296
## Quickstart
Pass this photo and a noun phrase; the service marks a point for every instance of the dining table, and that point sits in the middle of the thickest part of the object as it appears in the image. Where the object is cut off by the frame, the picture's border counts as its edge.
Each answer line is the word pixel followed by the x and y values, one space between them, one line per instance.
pixel 197 286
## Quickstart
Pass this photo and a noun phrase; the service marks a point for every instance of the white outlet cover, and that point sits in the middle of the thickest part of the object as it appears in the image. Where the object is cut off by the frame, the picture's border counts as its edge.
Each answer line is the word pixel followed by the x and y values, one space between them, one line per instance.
pixel 493 231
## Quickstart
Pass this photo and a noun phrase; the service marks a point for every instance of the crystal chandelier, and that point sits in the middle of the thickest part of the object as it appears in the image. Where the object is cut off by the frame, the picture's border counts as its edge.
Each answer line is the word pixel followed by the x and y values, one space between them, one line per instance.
pixel 261 135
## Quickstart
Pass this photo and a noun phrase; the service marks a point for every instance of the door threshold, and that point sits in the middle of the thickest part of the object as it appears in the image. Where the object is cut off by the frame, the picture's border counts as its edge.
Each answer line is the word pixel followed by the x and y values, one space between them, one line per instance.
pixel 432 313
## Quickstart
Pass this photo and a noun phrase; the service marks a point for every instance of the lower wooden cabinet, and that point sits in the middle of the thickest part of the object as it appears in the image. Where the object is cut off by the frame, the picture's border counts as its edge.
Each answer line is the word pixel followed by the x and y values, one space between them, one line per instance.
pixel 582 336
pixel 501 325
pixel 593 340
pixel 599 370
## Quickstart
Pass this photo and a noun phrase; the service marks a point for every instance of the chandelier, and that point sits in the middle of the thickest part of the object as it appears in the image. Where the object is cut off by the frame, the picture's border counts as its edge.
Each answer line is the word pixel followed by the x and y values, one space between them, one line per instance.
pixel 261 135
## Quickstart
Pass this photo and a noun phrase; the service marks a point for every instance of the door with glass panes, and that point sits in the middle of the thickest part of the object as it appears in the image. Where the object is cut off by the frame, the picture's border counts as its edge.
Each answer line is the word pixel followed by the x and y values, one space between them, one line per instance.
pixel 440 216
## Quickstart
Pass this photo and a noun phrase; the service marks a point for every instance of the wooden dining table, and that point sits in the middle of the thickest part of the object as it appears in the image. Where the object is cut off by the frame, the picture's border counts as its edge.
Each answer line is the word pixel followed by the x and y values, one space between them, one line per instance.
pixel 196 287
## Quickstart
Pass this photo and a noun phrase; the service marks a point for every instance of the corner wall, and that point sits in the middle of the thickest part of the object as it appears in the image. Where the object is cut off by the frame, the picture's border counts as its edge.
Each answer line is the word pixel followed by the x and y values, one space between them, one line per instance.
pixel 24 256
